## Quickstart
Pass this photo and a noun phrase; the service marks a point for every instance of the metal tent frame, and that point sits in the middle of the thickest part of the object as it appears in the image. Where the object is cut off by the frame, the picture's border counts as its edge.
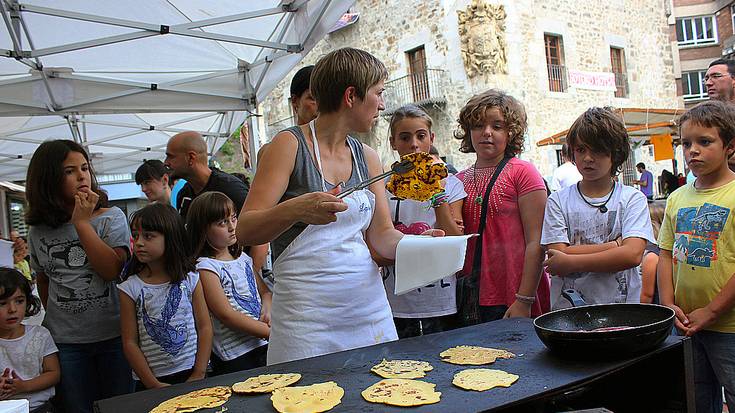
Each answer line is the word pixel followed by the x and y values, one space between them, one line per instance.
pixel 207 63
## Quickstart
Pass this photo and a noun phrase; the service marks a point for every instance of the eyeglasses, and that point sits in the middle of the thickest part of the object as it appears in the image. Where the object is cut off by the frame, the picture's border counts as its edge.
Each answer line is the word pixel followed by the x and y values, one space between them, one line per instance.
pixel 715 76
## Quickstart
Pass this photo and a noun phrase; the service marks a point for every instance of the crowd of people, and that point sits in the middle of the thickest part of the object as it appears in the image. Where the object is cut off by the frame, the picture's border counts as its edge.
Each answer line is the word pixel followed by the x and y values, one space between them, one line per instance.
pixel 176 293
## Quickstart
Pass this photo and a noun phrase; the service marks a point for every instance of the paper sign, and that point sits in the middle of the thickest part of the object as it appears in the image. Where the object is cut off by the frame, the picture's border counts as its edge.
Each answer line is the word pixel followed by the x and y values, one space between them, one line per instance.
pixel 662 147
pixel 592 80
pixel 422 260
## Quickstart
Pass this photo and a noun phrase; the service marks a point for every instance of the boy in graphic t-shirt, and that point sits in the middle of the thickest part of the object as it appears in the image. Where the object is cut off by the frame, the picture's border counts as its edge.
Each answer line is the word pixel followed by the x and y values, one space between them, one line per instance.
pixel 697 261
pixel 595 232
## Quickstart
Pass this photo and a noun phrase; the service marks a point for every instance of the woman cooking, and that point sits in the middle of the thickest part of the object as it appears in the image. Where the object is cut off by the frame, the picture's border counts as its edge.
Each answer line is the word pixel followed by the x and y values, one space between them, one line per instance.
pixel 328 294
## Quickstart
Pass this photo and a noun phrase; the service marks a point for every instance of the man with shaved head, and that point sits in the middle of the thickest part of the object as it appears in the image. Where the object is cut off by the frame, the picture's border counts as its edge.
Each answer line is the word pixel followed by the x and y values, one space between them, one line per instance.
pixel 186 157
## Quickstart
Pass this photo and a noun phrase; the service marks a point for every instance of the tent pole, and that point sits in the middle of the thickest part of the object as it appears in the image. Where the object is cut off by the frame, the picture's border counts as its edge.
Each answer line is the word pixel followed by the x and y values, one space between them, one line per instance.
pixel 275 28
pixel 316 21
pixel 219 132
pixel 84 129
pixel 72 122
pixel 14 32
pixel 12 25
pixel 102 41
pixel 39 65
pixel 254 137
pixel 270 62
pixel 229 19
pixel 140 87
pixel 153 28
pixel 4 214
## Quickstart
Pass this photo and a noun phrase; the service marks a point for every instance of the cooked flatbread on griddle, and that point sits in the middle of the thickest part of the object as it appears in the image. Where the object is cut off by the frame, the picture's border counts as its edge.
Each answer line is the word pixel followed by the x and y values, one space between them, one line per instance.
pixel 265 383
pixel 474 355
pixel 193 401
pixel 483 379
pixel 402 392
pixel 316 398
pixel 402 369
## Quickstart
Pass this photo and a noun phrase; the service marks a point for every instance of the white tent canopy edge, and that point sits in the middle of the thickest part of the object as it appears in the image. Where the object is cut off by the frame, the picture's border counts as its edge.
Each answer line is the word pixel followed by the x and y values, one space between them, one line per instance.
pixel 121 77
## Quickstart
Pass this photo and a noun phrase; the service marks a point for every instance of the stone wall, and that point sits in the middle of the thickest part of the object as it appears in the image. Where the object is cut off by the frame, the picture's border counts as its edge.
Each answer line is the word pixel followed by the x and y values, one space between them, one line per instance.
pixel 390 28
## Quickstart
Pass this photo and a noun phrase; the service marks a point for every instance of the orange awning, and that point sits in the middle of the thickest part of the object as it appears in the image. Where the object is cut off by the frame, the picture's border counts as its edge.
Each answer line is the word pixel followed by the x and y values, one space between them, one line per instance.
pixel 641 124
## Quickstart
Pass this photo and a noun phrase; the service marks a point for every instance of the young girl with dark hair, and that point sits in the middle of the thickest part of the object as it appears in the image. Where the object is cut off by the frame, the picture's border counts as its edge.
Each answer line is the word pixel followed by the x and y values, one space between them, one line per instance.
pixel 236 295
pixel 27 353
pixel 166 330
pixel 78 247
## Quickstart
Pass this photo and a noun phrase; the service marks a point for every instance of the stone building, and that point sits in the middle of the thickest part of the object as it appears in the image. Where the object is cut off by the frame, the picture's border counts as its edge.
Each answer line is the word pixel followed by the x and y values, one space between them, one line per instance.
pixel 558 57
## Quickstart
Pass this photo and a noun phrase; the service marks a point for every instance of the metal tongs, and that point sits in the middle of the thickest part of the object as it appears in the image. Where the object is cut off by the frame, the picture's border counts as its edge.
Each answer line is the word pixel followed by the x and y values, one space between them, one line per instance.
pixel 399 168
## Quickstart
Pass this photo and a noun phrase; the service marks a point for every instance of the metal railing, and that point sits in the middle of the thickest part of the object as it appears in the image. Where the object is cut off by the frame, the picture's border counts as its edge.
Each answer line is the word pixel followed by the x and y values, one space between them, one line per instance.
pixel 621 85
pixel 419 88
pixel 557 78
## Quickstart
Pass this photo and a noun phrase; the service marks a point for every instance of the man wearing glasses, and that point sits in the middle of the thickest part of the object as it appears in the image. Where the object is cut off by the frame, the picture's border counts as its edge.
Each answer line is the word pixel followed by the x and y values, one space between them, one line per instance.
pixel 720 80
pixel 720 84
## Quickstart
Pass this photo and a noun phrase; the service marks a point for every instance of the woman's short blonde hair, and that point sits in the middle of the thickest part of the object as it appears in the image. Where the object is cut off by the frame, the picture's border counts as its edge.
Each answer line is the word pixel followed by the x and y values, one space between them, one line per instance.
pixel 340 69
pixel 475 110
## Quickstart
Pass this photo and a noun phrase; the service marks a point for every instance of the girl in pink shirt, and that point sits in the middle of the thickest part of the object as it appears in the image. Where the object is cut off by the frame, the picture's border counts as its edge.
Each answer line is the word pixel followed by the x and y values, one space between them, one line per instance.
pixel 508 280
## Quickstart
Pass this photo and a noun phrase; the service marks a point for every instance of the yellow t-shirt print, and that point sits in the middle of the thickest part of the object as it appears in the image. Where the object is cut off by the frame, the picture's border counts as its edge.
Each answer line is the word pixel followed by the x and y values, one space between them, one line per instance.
pixel 699 230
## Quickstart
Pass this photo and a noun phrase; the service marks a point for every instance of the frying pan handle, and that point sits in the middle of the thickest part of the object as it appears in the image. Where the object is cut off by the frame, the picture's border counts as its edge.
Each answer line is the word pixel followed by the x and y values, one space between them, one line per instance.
pixel 573 297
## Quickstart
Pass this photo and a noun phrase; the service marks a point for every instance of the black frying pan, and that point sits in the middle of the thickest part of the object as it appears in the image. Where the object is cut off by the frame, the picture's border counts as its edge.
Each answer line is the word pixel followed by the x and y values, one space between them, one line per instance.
pixel 604 330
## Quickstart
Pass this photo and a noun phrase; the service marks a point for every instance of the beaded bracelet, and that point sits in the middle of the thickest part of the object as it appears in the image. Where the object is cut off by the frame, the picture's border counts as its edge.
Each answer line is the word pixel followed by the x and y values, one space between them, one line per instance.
pixel 438 199
pixel 525 298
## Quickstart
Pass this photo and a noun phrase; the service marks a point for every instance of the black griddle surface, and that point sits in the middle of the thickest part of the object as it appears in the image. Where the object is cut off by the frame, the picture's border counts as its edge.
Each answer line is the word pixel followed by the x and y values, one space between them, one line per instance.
pixel 541 373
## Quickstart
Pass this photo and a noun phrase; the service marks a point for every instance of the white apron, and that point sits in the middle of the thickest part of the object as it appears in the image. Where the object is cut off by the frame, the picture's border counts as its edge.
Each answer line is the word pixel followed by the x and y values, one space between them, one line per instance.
pixel 328 294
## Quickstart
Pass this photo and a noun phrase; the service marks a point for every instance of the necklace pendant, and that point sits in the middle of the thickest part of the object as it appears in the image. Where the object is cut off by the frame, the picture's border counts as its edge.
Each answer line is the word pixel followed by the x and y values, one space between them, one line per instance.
pixel 603 209
pixel 478 200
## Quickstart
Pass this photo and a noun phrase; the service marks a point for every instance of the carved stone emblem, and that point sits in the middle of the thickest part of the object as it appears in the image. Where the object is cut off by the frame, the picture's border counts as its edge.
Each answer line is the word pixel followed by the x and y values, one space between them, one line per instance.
pixel 482 33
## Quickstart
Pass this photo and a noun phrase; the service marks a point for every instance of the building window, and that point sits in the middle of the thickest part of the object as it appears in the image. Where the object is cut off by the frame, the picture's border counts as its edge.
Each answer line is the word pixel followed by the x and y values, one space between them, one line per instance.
pixel 693 85
pixel 617 61
pixel 417 73
pixel 691 31
pixel 555 63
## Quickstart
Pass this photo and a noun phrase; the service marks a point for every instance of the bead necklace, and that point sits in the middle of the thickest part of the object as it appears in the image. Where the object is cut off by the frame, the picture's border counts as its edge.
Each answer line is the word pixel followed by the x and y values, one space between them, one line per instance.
pixel 601 206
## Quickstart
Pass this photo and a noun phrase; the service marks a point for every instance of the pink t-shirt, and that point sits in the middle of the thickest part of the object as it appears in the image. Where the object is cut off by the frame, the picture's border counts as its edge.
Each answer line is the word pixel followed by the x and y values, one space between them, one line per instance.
pixel 504 243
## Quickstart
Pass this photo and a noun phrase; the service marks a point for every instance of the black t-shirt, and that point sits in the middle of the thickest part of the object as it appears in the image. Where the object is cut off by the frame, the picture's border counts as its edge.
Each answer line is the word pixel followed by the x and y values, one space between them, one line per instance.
pixel 218 181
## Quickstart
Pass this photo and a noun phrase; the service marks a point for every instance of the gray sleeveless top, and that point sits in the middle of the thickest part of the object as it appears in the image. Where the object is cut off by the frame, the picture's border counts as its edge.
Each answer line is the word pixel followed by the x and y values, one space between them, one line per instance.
pixel 306 178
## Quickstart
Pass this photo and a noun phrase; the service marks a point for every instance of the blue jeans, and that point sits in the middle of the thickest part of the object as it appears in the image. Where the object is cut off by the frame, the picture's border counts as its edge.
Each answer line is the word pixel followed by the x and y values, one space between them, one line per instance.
pixel 714 368
pixel 92 371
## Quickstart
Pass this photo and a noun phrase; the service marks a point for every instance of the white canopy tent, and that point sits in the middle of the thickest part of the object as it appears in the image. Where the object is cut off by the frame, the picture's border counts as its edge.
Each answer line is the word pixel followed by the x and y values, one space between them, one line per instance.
pixel 122 76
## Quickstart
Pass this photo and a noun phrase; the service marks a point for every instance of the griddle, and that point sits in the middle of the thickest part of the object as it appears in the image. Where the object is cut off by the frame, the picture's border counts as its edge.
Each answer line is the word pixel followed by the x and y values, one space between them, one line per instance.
pixel 541 373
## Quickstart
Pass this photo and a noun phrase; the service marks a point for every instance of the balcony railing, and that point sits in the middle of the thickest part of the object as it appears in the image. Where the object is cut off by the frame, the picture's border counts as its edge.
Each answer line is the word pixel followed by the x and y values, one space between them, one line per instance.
pixel 621 85
pixel 420 88
pixel 557 78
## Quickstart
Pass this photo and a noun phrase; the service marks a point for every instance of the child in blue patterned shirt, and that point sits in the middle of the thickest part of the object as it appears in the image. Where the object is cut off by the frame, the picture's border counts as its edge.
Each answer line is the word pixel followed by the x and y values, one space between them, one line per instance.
pixel 165 325
pixel 236 296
